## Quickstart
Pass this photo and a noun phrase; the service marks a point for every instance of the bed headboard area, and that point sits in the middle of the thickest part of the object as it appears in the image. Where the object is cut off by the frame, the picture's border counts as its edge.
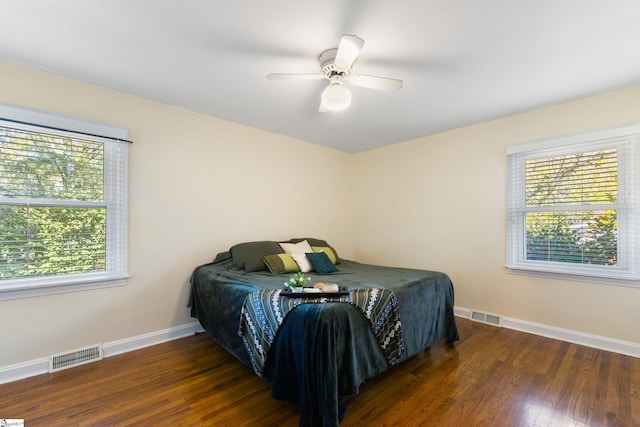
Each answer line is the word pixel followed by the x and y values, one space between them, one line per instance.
pixel 277 257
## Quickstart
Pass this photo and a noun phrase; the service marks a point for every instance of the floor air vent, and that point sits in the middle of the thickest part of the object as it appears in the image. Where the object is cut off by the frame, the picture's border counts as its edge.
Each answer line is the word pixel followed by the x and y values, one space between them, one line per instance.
pixel 77 357
pixel 490 319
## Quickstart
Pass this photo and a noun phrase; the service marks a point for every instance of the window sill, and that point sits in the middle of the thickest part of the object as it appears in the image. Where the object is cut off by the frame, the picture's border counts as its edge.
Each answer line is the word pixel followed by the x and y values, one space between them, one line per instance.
pixel 16 289
pixel 603 280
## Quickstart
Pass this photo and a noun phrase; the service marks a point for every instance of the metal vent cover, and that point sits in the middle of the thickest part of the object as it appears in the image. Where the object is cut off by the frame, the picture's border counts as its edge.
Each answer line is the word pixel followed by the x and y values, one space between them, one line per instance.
pixel 77 357
pixel 490 319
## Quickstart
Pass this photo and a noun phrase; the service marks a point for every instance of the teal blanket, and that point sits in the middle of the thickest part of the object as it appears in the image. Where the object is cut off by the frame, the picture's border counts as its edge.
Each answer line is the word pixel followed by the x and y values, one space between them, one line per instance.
pixel 323 352
pixel 264 311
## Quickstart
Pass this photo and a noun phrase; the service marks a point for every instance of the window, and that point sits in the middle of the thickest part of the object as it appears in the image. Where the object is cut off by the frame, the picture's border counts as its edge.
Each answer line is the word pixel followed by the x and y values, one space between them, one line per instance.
pixel 572 207
pixel 63 213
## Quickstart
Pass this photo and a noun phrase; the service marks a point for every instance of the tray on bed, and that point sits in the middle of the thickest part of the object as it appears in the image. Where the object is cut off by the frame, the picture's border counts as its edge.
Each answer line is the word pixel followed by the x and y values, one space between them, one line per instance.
pixel 342 290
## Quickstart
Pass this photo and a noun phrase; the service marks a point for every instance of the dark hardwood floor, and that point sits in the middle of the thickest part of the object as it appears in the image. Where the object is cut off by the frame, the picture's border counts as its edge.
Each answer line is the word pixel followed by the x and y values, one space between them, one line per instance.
pixel 491 377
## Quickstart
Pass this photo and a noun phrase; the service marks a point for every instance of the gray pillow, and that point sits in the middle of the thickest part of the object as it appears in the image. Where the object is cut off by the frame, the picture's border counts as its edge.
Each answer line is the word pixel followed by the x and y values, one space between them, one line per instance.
pixel 312 241
pixel 248 256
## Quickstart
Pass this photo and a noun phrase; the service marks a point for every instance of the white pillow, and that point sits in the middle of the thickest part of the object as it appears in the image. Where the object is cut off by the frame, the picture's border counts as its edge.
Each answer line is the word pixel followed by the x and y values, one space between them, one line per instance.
pixel 303 262
pixel 296 248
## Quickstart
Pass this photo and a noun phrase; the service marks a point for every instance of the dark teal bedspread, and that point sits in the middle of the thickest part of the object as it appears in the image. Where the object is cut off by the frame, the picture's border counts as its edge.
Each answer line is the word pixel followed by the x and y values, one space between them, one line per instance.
pixel 265 310
pixel 323 352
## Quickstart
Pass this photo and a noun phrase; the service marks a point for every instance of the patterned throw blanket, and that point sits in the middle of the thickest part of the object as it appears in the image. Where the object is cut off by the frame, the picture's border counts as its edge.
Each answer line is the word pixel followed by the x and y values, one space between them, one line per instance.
pixel 264 311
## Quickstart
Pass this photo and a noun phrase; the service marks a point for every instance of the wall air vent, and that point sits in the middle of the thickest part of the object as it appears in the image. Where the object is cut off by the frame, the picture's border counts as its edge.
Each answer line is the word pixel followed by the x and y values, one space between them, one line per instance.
pixel 72 358
pixel 490 319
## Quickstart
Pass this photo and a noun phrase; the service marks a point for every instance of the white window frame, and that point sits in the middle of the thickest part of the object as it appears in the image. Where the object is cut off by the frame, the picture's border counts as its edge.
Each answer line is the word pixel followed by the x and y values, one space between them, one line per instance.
pixel 115 194
pixel 627 272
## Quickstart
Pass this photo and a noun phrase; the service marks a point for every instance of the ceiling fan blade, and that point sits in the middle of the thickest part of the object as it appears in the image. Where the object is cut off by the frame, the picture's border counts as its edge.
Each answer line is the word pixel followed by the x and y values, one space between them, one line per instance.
pixel 284 76
pixel 377 83
pixel 348 51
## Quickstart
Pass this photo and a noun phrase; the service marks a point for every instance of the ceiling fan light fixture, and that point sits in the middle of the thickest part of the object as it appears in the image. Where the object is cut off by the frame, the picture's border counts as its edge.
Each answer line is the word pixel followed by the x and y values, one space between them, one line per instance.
pixel 336 98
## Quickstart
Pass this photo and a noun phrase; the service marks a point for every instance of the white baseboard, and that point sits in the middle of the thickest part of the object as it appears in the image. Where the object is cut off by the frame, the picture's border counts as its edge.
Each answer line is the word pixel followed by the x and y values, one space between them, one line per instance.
pixel 595 341
pixel 41 366
pixel 24 370
pixel 141 341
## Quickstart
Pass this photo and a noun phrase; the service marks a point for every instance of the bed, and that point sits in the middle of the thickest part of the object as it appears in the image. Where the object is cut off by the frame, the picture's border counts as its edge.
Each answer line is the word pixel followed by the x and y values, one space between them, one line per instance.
pixel 316 350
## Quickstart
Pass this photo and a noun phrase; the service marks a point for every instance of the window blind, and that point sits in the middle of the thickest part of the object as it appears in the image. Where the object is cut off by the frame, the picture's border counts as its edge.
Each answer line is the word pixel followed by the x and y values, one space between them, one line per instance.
pixel 572 205
pixel 62 207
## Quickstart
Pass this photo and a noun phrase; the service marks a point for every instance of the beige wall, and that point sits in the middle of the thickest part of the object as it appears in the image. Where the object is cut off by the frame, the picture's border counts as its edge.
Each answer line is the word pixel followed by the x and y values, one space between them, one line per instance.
pixel 439 203
pixel 199 184
pixel 196 186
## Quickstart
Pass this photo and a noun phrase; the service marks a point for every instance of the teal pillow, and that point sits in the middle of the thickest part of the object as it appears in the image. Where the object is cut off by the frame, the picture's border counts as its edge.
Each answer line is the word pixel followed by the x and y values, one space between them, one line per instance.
pixel 330 251
pixel 321 263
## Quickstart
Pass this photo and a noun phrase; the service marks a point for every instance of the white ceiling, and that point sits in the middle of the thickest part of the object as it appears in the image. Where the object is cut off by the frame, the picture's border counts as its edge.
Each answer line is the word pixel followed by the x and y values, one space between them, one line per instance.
pixel 462 61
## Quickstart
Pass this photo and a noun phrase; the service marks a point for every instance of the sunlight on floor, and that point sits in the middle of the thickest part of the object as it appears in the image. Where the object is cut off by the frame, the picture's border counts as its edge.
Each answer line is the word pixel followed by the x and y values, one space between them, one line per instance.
pixel 540 415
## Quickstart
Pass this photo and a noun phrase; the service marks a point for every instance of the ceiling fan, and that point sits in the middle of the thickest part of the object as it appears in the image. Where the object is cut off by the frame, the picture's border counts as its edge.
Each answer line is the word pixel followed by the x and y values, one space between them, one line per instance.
pixel 335 66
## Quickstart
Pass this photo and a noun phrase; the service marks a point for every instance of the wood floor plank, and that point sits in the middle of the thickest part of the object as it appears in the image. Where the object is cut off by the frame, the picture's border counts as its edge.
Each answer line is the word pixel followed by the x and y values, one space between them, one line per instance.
pixel 634 393
pixel 491 377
